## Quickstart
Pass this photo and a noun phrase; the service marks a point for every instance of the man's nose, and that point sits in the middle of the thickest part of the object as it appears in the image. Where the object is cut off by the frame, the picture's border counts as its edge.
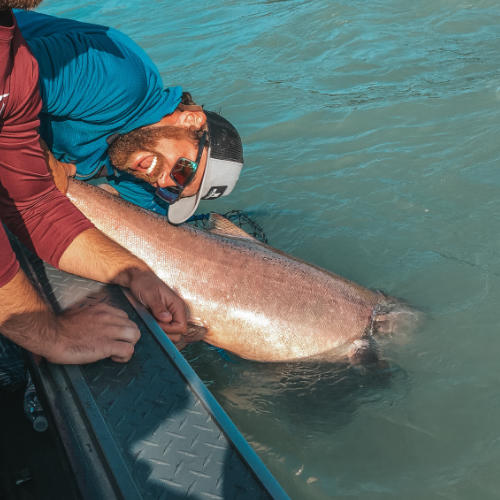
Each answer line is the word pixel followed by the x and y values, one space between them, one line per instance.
pixel 164 179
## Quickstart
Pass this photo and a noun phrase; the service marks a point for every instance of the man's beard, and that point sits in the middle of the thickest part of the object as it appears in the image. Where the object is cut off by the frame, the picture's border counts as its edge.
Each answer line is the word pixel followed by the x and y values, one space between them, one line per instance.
pixel 145 139
pixel 19 4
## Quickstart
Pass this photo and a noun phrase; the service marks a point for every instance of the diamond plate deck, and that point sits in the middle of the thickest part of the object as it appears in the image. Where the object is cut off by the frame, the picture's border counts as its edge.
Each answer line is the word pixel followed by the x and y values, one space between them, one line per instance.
pixel 148 429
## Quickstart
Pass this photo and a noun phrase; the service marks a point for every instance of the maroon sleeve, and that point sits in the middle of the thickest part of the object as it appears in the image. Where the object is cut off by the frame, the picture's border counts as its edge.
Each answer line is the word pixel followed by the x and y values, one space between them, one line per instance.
pixel 8 262
pixel 30 204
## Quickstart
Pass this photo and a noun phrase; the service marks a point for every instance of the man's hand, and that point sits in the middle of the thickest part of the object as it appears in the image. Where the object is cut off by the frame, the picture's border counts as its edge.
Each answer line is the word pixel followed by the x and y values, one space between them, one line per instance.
pixel 93 255
pixel 82 334
pixel 91 333
pixel 60 170
pixel 165 305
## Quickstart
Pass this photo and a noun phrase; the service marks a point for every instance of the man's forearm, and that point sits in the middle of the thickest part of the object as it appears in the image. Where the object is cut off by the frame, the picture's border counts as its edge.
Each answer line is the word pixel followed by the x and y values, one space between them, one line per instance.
pixel 24 317
pixel 82 334
pixel 95 256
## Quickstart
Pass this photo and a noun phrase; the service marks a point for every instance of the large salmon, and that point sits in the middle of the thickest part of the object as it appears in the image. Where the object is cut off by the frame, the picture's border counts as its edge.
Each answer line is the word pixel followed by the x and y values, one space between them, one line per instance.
pixel 253 300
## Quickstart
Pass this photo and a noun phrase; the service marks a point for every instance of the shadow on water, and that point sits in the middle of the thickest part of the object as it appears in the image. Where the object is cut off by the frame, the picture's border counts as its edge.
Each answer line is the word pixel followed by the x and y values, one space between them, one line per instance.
pixel 316 397
pixel 296 415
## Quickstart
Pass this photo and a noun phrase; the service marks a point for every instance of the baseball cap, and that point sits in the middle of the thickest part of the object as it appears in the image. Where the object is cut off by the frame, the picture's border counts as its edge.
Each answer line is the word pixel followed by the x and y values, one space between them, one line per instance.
pixel 222 171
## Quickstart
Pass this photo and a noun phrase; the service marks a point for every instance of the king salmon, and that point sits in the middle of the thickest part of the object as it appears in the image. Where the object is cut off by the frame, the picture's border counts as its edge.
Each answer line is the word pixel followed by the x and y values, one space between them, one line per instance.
pixel 251 299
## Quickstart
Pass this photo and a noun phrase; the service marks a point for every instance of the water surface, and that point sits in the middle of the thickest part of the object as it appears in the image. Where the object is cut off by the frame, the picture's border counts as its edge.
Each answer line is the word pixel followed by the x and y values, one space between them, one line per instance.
pixel 371 141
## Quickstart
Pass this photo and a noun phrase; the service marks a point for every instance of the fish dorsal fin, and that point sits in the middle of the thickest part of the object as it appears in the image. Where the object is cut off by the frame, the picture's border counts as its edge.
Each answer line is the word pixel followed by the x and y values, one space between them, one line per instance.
pixel 218 224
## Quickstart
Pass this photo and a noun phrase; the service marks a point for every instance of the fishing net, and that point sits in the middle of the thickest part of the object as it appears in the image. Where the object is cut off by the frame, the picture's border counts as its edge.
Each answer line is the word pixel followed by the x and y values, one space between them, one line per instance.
pixel 237 217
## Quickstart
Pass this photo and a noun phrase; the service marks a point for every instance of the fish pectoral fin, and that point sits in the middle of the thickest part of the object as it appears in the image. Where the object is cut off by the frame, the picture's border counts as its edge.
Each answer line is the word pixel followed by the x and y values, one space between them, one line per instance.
pixel 363 352
pixel 218 224
pixel 195 331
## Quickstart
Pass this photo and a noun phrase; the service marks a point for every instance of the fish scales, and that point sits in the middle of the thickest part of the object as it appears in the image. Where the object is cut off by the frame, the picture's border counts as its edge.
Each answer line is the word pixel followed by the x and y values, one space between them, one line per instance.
pixel 254 301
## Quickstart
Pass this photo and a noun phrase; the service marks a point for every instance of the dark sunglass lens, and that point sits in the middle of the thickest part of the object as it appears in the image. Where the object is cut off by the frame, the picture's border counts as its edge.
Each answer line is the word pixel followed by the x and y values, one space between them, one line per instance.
pixel 169 194
pixel 183 171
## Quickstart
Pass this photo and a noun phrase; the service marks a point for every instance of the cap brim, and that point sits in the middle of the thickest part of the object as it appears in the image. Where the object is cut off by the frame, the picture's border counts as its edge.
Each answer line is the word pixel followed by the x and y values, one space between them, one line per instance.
pixel 222 170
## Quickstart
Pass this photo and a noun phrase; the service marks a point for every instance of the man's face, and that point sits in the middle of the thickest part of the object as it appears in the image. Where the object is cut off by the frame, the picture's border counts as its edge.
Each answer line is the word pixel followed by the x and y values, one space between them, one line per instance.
pixel 150 153
pixel 19 4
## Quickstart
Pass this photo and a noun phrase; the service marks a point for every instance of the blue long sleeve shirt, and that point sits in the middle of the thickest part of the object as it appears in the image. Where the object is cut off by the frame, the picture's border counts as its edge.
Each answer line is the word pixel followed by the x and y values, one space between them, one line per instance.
pixel 95 82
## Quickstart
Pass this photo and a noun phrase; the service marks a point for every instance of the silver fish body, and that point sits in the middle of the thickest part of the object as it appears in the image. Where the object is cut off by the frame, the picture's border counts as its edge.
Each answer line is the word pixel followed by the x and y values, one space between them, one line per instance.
pixel 253 300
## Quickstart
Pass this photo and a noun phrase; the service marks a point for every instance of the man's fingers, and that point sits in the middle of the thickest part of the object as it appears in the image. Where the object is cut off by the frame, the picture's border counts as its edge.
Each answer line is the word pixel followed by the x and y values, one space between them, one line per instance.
pixel 173 328
pixel 165 305
pixel 179 315
pixel 163 317
pixel 162 307
pixel 122 352
pixel 121 329
pixel 113 323
pixel 128 333
pixel 170 312
pixel 94 332
pixel 70 169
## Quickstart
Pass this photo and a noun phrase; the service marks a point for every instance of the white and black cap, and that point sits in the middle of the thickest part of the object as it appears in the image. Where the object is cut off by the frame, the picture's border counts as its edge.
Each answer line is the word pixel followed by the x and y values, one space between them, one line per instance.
pixel 224 164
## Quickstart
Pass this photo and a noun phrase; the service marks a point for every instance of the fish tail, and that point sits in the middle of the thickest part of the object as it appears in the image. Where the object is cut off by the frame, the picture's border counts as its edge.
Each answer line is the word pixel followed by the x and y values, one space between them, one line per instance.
pixel 391 315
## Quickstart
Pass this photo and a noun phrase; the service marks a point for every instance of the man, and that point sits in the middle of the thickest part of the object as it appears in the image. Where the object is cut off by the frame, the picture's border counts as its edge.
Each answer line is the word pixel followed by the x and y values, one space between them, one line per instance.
pixel 100 90
pixel 45 220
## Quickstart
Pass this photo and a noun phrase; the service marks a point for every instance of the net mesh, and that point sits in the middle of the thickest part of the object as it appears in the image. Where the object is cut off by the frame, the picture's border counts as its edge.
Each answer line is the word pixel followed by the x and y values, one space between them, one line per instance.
pixel 237 217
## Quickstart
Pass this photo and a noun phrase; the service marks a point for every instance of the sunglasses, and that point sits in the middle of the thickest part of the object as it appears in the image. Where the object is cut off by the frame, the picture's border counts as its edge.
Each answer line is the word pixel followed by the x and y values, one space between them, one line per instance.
pixel 182 174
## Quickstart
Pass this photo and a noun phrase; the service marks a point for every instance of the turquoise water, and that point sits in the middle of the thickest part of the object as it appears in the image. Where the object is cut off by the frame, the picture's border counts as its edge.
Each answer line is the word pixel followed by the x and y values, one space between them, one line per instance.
pixel 371 134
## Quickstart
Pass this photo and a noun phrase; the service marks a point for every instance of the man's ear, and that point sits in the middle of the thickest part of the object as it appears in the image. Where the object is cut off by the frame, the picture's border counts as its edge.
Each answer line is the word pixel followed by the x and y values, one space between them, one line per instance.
pixel 191 119
pixel 186 118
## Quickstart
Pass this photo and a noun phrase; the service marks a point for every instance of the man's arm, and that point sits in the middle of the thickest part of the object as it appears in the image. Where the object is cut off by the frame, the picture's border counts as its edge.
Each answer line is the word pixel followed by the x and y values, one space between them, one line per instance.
pixel 46 221
pixel 93 255
pixel 78 336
